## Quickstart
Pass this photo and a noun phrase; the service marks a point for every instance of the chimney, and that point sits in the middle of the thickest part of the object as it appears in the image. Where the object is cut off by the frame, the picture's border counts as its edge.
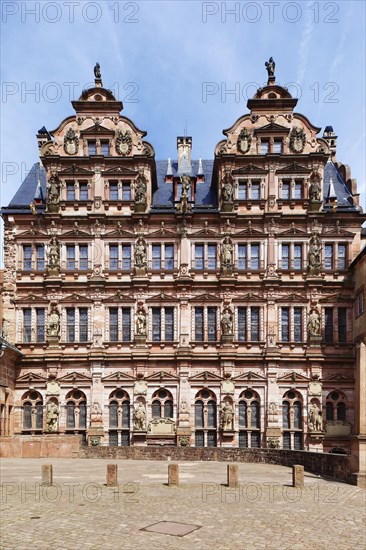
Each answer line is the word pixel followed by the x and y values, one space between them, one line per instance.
pixel 184 146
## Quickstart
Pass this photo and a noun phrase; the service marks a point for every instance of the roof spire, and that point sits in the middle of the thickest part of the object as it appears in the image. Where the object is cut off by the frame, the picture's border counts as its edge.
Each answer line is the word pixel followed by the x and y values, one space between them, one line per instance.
pixel 169 171
pixel 200 168
pixel 331 193
pixel 38 195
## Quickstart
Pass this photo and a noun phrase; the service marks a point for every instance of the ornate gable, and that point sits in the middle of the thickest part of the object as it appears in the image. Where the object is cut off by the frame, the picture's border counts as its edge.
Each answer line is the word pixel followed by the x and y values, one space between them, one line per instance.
pixel 205 298
pixel 120 296
pixel 119 377
pixel 75 378
pixel 293 297
pixel 293 377
pixel 338 378
pixel 249 169
pixel 31 378
pixel 75 170
pixel 162 376
pixel 74 299
pixel 249 377
pixel 249 297
pixel 97 130
pixel 31 298
pixel 162 298
pixel 120 171
pixel 294 168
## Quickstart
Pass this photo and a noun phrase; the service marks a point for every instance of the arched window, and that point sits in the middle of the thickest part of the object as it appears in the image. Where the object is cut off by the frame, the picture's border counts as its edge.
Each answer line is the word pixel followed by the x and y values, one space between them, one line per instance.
pixel 205 419
pixel 249 419
pixel 162 404
pixel 119 418
pixel 76 411
pixel 336 406
pixel 32 408
pixel 292 425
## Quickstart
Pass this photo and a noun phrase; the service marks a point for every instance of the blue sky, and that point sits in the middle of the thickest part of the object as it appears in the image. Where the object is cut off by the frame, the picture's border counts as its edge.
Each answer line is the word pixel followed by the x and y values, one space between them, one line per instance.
pixel 159 56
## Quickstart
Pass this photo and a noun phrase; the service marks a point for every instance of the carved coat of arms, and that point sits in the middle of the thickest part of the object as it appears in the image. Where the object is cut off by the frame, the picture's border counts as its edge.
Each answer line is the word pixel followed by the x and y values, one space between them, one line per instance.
pixel 71 142
pixel 297 140
pixel 124 143
pixel 244 141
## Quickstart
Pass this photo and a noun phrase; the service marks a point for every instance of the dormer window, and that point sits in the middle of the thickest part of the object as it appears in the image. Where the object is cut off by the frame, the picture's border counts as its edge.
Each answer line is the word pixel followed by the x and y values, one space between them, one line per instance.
pixel 104 146
pixel 92 148
pixel 264 148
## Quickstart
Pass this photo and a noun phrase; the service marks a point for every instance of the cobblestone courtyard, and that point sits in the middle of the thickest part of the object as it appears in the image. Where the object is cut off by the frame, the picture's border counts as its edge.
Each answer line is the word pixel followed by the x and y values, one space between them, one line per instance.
pixel 79 511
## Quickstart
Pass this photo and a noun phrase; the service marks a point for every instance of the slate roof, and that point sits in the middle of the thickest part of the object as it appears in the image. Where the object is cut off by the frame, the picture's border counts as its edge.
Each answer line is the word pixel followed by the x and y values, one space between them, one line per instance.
pixel 206 197
pixel 344 197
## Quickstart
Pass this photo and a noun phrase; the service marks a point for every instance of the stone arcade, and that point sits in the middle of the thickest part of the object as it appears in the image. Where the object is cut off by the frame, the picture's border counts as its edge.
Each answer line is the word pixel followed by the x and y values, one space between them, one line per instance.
pixel 192 303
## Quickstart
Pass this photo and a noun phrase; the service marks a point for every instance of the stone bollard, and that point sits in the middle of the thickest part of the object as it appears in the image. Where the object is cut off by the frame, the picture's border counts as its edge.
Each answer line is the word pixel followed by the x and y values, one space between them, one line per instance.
pixel 47 475
pixel 232 475
pixel 173 475
pixel 297 475
pixel 112 475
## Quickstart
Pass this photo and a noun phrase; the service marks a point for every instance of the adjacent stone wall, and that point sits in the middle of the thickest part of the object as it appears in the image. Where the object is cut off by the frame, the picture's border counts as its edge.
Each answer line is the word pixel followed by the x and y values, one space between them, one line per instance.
pixel 53 446
pixel 328 465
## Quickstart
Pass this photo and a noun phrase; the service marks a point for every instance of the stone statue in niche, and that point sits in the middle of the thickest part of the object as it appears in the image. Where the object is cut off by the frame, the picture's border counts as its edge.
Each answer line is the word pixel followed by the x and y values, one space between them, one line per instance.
pixel 141 323
pixel 227 323
pixel 54 254
pixel 186 186
pixel 53 193
pixel 227 416
pixel 139 418
pixel 315 418
pixel 314 252
pixel 227 187
pixel 314 189
pixel 52 417
pixel 314 323
pixel 226 253
pixel 96 415
pixel 140 253
pixel 71 142
pixel 53 325
pixel 270 66
pixel 140 188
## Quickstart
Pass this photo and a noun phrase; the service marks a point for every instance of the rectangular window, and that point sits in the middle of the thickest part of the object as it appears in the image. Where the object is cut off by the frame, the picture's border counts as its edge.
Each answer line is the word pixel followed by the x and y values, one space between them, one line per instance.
pixel 126 191
pixel 242 324
pixel 285 259
pixel 156 324
pixel 254 256
pixel 27 324
pixel 328 315
pixel 328 256
pixel 113 257
pixel 298 324
pixel 40 257
pixel 198 324
pixel 83 324
pixel 297 256
pixel 254 324
pixel 298 190
pixel 242 256
pixel 264 148
pixel 92 147
pixel 285 195
pixel 342 325
pixel 70 257
pixel 113 191
pixel 169 324
pixel 126 257
pixel 285 324
pixel 126 324
pixel 211 322
pixel 104 146
pixel 70 324
pixel 113 324
pixel 255 191
pixel 83 191
pixel 199 256
pixel 277 146
pixel 211 256
pixel 70 191
pixel 242 190
pixel 169 257
pixel 27 257
pixel 83 257
pixel 40 319
pixel 156 256
pixel 341 256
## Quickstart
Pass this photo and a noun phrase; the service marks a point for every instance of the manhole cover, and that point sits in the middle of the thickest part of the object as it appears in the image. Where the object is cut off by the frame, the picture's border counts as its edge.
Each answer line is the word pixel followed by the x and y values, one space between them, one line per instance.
pixel 171 528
